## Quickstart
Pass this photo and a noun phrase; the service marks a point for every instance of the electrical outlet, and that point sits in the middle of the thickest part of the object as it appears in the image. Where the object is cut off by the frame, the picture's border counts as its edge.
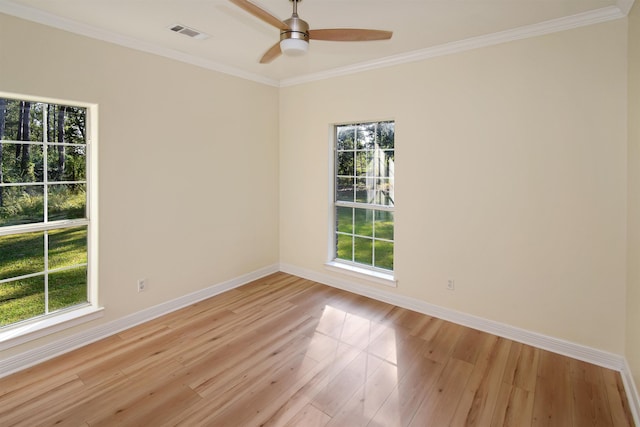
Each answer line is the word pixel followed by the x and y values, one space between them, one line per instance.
pixel 142 285
pixel 451 284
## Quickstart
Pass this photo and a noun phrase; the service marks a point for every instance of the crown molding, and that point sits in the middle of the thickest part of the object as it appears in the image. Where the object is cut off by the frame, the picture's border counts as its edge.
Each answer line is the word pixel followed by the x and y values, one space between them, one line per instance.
pixel 625 6
pixel 45 18
pixel 605 14
pixel 555 25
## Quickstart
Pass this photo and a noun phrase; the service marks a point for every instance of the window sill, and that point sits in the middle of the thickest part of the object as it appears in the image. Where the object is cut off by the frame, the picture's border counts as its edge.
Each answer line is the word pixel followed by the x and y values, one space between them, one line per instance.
pixel 363 273
pixel 30 331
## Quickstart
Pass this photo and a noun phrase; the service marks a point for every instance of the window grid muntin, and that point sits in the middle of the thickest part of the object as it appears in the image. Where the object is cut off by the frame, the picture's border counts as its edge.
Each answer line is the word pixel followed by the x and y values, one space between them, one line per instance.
pixel 45 225
pixel 369 150
pixel 373 238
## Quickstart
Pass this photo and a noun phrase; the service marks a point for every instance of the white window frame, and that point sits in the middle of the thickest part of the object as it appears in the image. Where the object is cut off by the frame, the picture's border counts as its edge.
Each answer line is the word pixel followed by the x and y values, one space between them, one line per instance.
pixel 357 270
pixel 30 329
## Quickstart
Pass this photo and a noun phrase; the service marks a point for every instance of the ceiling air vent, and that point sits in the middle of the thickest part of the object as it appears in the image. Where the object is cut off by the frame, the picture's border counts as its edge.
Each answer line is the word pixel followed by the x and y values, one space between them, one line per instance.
pixel 189 32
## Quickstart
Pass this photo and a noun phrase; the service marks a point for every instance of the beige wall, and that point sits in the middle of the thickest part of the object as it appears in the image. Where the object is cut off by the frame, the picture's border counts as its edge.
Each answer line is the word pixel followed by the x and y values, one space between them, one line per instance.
pixel 511 173
pixel 633 255
pixel 510 179
pixel 188 162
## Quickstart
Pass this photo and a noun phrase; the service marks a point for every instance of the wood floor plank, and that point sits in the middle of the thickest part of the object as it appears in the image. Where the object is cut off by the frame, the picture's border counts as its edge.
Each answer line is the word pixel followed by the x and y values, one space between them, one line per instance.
pixel 152 405
pixel 62 391
pixel 286 351
pixel 553 402
pixel 309 416
pixel 257 402
pixel 327 371
pixel 439 406
pixel 479 398
pixel 591 407
pixel 367 400
pixel 620 411
pixel 442 344
pixel 514 407
pixel 58 367
pixel 468 345
pixel 331 399
pixel 521 368
pixel 414 387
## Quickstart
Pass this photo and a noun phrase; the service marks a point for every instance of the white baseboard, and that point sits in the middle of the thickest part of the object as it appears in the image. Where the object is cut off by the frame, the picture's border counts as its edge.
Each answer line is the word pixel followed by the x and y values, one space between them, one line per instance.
pixel 608 360
pixel 632 392
pixel 545 342
pixel 48 351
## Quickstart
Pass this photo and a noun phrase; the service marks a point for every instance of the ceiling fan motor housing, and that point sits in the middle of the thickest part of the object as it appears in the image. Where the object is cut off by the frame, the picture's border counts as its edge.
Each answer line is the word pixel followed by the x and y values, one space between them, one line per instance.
pixel 298 29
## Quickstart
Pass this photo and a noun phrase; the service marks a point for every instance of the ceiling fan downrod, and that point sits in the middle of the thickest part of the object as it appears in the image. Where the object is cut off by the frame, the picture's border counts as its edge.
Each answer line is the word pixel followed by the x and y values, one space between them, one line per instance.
pixel 297 27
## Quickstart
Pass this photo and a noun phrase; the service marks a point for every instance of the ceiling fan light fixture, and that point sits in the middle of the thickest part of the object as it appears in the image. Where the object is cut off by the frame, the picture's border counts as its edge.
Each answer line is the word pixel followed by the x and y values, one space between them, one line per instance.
pixel 295 32
pixel 294 47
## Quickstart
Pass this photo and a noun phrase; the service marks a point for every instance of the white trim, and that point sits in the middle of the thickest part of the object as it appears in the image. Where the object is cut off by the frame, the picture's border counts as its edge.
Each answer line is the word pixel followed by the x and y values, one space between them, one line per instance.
pixel 51 20
pixel 40 327
pixel 43 226
pixel 556 345
pixel 604 14
pixel 386 279
pixel 48 351
pixel 552 26
pixel 92 202
pixel 632 392
pixel 35 328
pixel 625 7
pixel 545 342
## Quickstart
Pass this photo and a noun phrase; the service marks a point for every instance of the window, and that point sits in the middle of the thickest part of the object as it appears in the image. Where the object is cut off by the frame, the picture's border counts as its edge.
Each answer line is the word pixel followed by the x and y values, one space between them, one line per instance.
pixel 45 228
pixel 364 195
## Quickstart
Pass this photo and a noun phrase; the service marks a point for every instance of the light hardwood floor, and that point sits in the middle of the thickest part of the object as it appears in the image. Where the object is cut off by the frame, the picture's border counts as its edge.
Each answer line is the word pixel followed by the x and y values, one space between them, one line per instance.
pixel 285 351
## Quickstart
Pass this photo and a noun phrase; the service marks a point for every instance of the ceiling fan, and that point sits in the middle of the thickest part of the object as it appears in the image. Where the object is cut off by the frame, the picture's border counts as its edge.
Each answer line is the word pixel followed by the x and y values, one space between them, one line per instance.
pixel 295 33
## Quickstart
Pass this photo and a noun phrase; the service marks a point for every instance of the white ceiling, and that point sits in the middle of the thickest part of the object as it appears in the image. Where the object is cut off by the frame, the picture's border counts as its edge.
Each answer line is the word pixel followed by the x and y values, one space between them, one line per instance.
pixel 421 28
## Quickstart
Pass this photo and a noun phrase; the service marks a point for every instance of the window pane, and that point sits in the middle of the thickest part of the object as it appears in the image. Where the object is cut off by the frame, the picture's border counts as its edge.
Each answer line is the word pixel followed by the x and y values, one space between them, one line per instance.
pixel 385 134
pixel 22 204
pixel 345 219
pixel 384 192
pixel 67 201
pixel 363 250
pixel 384 254
pixel 23 120
pixel 384 162
pixel 365 136
pixel 345 137
pixel 345 163
pixel 67 288
pixel 66 163
pixel 384 225
pixel 67 247
pixel 67 124
pixel 364 163
pixel 21 300
pixel 344 189
pixel 10 131
pixel 363 222
pixel 344 247
pixel 21 163
pixel 21 254
pixel 364 190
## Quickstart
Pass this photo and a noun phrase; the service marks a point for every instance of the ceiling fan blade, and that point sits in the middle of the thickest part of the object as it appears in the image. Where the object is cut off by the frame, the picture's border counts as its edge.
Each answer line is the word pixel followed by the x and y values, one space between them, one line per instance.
pixel 273 52
pixel 349 34
pixel 260 13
